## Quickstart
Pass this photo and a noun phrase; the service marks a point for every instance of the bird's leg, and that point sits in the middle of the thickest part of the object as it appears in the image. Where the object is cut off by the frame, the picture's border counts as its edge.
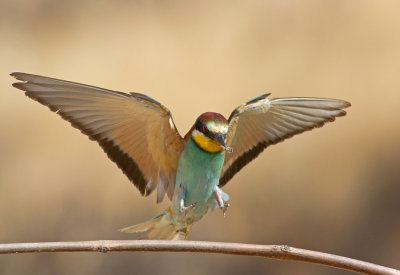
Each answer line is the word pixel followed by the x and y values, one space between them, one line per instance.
pixel 181 197
pixel 223 205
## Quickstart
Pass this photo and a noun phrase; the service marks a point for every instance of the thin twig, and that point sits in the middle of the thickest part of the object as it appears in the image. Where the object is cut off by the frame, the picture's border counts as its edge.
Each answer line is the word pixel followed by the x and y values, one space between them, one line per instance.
pixel 281 252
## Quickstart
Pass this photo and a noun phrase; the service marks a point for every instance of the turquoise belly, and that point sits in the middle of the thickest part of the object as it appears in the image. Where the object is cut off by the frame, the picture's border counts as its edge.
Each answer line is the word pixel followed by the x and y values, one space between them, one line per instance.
pixel 198 172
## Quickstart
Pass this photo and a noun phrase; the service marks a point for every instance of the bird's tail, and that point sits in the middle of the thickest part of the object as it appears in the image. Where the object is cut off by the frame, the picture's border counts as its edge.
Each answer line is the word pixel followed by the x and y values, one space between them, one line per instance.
pixel 158 228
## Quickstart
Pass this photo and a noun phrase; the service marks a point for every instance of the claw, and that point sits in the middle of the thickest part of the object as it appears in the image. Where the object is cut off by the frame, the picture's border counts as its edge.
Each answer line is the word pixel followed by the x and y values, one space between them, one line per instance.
pixel 181 195
pixel 187 209
pixel 223 205
pixel 224 208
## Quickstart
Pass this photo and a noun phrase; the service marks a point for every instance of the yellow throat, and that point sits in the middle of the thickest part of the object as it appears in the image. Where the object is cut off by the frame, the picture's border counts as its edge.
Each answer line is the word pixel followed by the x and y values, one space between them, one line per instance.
pixel 205 143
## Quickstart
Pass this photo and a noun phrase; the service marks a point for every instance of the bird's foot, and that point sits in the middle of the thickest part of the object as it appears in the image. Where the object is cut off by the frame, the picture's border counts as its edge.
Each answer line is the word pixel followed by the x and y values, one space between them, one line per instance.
pixel 181 196
pixel 223 205
pixel 224 208
pixel 186 209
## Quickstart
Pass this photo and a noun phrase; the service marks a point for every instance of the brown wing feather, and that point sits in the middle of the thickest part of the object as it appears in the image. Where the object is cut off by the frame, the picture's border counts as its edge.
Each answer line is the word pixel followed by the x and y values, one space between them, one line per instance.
pixel 135 131
pixel 260 123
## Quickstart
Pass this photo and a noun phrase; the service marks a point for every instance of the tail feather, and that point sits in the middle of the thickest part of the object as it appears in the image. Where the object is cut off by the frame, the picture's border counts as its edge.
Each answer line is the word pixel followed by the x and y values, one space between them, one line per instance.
pixel 162 233
pixel 158 228
pixel 141 227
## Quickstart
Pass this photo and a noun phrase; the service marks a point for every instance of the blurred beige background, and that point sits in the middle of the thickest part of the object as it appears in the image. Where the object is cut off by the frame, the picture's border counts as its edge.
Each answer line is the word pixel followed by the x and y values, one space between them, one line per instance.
pixel 335 189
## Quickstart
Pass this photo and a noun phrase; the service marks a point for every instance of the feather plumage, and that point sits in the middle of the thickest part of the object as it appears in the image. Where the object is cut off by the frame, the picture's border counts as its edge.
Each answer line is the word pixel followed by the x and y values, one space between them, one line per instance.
pixel 135 131
pixel 261 122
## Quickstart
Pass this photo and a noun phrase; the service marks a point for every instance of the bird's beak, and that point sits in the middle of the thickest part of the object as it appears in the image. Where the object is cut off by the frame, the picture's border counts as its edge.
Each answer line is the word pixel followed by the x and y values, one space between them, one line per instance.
pixel 220 138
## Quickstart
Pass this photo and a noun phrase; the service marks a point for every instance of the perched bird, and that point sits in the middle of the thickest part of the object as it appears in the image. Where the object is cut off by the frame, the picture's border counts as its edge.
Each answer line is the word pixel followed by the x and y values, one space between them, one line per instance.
pixel 139 135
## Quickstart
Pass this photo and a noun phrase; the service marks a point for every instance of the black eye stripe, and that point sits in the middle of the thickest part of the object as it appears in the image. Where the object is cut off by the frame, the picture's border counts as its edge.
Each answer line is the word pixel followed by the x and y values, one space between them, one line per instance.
pixel 198 125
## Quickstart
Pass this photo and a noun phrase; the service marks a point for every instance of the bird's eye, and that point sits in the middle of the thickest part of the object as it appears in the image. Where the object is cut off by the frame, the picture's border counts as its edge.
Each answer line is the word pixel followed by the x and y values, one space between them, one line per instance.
pixel 205 130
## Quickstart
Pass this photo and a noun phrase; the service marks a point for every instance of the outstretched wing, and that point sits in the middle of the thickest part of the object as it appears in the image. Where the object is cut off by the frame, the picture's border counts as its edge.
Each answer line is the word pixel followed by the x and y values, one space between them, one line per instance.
pixel 261 122
pixel 135 131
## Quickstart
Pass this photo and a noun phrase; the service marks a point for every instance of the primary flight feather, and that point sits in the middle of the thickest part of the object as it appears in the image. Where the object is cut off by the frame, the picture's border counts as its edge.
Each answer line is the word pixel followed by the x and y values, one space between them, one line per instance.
pixel 139 135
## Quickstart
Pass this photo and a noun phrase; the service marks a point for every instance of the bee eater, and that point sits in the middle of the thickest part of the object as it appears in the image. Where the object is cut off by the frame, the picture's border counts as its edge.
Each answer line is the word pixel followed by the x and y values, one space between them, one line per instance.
pixel 139 135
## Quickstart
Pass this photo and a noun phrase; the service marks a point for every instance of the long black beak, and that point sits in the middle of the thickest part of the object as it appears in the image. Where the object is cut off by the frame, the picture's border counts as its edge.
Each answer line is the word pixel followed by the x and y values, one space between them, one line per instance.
pixel 221 139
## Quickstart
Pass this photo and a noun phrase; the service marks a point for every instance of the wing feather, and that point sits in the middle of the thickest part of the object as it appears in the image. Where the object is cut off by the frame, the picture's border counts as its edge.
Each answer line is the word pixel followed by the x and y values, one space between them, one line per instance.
pixel 261 122
pixel 135 131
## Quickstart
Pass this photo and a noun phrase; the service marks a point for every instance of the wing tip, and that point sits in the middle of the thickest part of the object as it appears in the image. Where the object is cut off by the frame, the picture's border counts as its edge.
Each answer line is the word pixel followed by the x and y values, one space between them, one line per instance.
pixel 14 74
pixel 341 104
pixel 22 77
pixel 18 75
pixel 19 85
pixel 342 113
pixel 346 104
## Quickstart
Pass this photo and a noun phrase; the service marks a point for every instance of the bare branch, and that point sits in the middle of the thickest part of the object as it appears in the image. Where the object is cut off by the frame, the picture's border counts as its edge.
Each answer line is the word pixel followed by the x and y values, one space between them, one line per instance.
pixel 280 252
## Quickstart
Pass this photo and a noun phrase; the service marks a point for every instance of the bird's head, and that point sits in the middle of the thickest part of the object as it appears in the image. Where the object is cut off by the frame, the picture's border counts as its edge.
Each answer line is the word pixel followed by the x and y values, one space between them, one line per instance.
pixel 209 132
